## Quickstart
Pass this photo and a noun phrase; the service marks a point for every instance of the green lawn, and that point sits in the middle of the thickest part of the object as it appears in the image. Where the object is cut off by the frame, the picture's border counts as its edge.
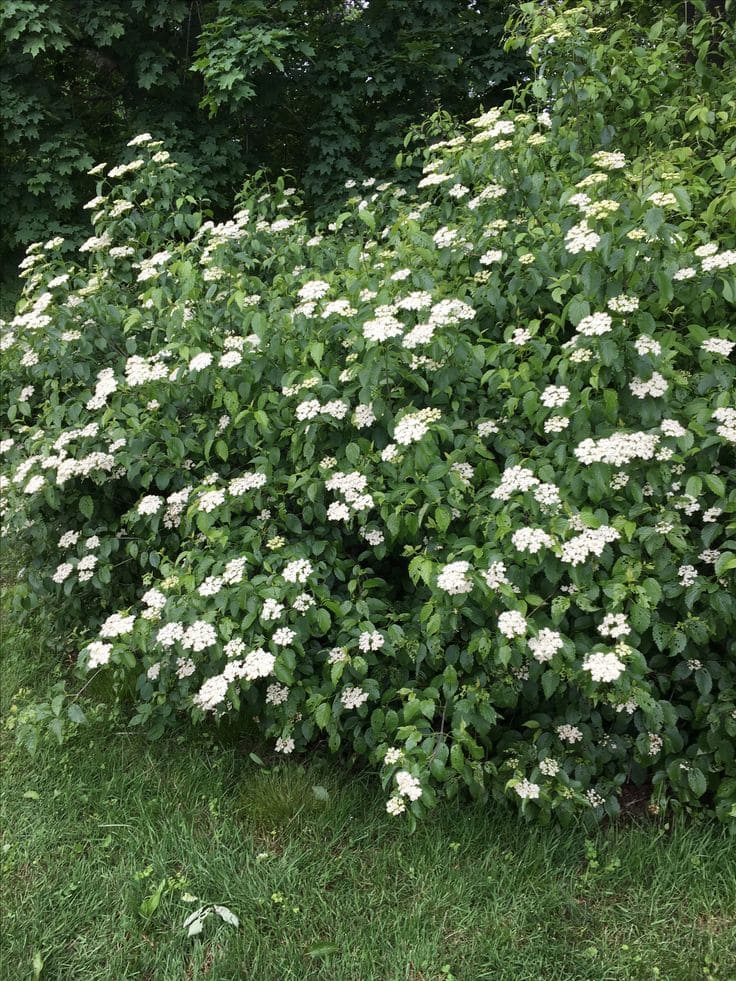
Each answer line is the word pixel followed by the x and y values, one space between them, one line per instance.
pixel 329 888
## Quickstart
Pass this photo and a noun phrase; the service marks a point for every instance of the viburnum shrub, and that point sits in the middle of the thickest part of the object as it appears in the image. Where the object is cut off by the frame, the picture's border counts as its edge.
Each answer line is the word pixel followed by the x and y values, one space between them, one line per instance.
pixel 448 482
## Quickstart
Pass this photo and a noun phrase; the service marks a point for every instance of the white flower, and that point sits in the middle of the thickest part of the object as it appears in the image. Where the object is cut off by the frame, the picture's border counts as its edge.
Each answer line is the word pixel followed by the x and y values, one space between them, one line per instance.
pixel 303 602
pixel 556 424
pixel 98 654
pixel 363 416
pixel 212 693
pixel 609 160
pixel 453 579
pixel 647 345
pixel 614 625
pixel 718 345
pixel 272 610
pixel 656 386
pixel 686 273
pixel 169 634
pixel 297 571
pixel 407 785
pixel 211 499
pixel 531 540
pixel 285 746
pixel 248 482
pixel 337 511
pixel 283 636
pixel 258 664
pixel 150 504
pixel 391 756
pixel 555 396
pixel 623 303
pixel 595 325
pixel 211 586
pixel 487 428
pixel 234 571
pixel 395 806
pixel 512 624
pixel 116 625
pixel 546 644
pixel 549 767
pixel 569 734
pixel 603 666
pixel 352 698
pixel 276 694
pixel 198 636
pixel 662 198
pixel 495 575
pixel 315 289
pixel 527 790
pixel 371 641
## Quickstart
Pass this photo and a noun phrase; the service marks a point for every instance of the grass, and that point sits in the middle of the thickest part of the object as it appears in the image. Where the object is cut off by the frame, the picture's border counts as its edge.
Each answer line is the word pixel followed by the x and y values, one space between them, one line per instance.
pixel 330 888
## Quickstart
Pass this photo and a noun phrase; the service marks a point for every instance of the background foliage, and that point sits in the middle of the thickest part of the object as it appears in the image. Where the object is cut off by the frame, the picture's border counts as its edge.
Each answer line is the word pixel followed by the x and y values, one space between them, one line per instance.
pixel 323 88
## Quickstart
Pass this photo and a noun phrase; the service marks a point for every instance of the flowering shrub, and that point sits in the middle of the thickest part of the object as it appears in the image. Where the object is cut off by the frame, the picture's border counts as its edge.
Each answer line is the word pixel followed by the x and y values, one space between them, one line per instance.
pixel 448 482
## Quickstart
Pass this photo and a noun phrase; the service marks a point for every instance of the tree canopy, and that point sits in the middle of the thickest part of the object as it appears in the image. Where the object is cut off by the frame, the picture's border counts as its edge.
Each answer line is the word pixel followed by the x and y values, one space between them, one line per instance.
pixel 325 89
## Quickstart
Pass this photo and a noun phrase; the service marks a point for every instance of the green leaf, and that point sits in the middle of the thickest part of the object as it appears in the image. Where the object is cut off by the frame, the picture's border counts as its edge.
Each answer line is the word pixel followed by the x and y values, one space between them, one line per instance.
pixel 698 783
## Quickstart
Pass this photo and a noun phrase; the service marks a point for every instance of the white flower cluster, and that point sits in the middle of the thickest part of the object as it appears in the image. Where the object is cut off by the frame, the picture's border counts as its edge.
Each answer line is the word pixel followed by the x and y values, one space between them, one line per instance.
pixel 248 482
pixel 116 625
pixel 104 388
pixel 623 303
pixel 353 698
pixel 727 418
pixel 98 654
pixel 271 609
pixel 527 790
pixel 609 160
pixel 655 387
pixel 363 416
pixel 198 636
pixel 718 345
pixel 569 733
pixel 495 575
pixel 514 479
pixel 647 345
pixel 603 666
pixel 407 785
pixel 555 396
pixel 315 289
pixel 297 571
pixel 351 486
pixel 512 624
pixel 595 325
pixel 592 541
pixel 212 693
pixel 581 238
pixel 276 694
pixel 454 579
pixel 370 640
pixel 372 536
pixel 619 449
pixel 531 540
pixel 258 664
pixel 614 625
pixel 414 425
pixel 487 428
pixel 545 645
